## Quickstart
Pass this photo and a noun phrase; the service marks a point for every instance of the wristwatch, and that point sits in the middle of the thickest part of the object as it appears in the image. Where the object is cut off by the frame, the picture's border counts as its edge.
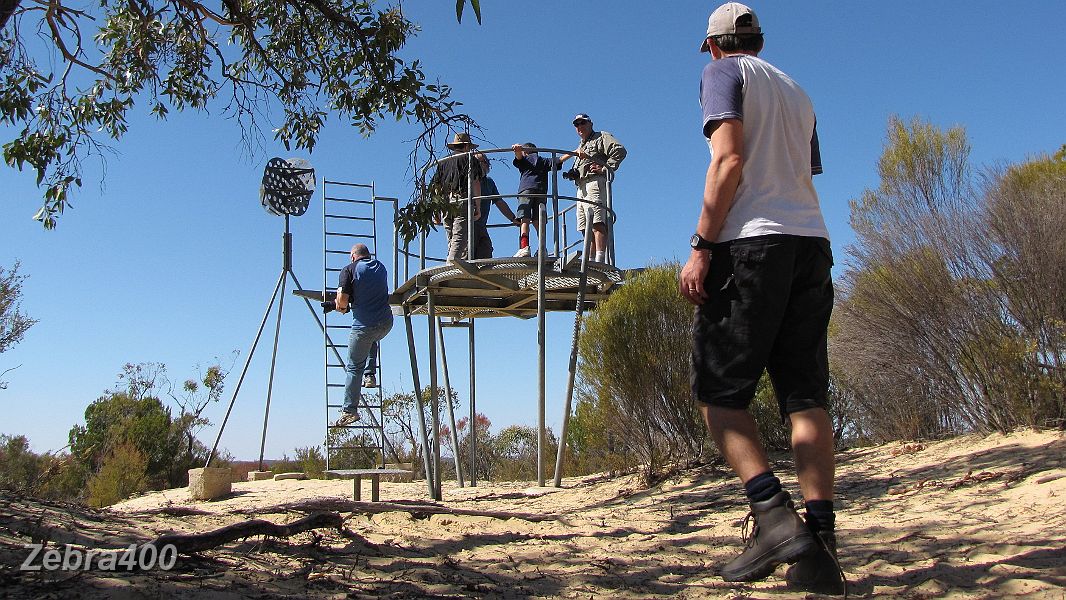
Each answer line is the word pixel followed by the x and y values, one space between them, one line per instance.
pixel 698 243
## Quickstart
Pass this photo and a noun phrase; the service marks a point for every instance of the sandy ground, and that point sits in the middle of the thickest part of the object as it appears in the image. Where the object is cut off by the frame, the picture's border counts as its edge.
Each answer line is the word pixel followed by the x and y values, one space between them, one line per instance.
pixel 971 517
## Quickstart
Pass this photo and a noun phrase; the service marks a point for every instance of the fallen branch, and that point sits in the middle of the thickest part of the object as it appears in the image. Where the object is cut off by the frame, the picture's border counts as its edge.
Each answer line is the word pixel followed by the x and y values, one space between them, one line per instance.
pixel 173 511
pixel 970 478
pixel 198 542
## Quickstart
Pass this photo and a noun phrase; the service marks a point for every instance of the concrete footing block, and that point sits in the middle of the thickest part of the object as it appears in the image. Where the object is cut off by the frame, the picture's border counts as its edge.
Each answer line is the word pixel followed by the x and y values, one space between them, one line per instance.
pixel 209 483
pixel 260 475
pixel 407 478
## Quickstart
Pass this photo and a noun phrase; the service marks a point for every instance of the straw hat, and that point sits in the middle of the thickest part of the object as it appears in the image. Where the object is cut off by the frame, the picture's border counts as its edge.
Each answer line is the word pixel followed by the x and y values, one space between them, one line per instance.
pixel 461 140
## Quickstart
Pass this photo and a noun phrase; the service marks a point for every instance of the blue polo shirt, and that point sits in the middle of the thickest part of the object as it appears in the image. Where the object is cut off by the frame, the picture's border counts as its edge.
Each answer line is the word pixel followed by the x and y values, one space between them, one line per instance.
pixel 490 193
pixel 367 284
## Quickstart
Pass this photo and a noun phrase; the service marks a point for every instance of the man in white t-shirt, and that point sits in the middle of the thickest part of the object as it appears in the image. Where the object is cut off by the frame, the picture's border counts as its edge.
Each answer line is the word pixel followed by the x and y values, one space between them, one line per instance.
pixel 759 275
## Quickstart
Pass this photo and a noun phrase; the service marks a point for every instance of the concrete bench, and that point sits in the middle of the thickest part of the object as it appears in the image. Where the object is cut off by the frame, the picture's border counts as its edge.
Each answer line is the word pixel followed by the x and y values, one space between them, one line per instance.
pixel 358 474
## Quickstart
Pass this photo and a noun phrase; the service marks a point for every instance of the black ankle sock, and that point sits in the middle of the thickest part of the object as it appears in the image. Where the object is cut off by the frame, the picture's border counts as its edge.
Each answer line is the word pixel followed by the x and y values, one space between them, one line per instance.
pixel 820 515
pixel 762 487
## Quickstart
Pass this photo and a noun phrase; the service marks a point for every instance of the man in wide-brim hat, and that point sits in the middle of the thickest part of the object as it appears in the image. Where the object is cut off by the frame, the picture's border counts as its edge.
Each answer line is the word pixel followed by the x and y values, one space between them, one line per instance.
pixel 458 178
pixel 461 142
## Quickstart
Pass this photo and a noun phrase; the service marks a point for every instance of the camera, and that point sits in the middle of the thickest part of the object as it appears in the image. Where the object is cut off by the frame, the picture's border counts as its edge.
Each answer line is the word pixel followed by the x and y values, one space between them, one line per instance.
pixel 572 174
pixel 329 306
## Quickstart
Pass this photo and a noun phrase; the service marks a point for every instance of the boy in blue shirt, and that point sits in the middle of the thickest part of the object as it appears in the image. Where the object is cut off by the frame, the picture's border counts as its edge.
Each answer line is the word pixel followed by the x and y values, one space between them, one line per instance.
pixel 532 187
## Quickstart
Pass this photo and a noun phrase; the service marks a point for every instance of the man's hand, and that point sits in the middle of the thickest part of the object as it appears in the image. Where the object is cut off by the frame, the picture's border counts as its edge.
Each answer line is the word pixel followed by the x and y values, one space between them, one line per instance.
pixel 690 282
pixel 596 168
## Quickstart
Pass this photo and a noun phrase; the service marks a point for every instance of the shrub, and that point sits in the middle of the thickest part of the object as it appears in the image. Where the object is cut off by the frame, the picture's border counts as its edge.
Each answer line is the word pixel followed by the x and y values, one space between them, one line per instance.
pixel 124 472
pixel 635 360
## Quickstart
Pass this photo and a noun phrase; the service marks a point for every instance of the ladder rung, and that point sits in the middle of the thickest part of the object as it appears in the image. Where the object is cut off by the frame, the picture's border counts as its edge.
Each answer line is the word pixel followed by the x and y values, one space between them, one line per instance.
pixel 350 218
pixel 332 270
pixel 338 252
pixel 349 200
pixel 351 235
pixel 374 406
pixel 338 326
pixel 345 183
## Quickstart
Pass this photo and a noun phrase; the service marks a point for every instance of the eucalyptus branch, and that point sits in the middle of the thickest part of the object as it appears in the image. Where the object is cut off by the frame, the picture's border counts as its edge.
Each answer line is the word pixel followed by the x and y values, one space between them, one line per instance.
pixel 207 13
pixel 51 16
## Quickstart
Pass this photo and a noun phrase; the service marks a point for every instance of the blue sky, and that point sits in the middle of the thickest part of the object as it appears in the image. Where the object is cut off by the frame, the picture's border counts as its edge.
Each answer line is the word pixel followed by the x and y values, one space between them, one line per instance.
pixel 168 257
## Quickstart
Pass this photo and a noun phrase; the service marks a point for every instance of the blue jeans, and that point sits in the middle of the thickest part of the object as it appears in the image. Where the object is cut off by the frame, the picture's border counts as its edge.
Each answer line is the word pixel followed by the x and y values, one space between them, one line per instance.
pixel 360 345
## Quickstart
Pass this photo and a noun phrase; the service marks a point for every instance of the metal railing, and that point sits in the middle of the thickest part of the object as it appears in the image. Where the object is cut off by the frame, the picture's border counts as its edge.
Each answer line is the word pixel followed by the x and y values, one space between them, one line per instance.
pixel 556 217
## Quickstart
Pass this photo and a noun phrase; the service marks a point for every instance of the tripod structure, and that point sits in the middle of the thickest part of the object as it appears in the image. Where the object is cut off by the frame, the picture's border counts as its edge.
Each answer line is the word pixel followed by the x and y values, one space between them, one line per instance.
pixel 279 297
pixel 279 288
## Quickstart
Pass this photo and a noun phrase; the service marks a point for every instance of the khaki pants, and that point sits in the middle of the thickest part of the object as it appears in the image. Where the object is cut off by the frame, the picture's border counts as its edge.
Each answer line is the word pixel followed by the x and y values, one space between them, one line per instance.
pixel 458 234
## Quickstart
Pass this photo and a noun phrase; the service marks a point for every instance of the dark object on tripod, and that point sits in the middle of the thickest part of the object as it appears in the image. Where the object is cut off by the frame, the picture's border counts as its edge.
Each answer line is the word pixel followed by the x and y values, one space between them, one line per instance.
pixel 572 174
pixel 287 186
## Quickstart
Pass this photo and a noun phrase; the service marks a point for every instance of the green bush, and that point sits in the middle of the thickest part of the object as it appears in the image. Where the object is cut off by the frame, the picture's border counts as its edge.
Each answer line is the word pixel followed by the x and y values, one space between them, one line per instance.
pixel 20 468
pixel 124 472
pixel 773 431
pixel 635 351
pixel 514 453
pixel 119 418
pixel 309 461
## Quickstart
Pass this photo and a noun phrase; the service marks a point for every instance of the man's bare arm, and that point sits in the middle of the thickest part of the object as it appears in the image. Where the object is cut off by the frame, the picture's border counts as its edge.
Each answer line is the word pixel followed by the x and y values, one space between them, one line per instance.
pixel 342 301
pixel 719 191
pixel 504 209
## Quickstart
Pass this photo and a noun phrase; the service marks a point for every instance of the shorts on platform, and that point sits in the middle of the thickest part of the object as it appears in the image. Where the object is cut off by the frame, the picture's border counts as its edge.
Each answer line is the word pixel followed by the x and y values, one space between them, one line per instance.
pixel 769 302
pixel 594 193
pixel 529 202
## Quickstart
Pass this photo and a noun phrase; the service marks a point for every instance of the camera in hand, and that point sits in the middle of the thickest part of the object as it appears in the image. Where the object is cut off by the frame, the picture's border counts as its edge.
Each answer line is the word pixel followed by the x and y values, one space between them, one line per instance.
pixel 329 306
pixel 572 174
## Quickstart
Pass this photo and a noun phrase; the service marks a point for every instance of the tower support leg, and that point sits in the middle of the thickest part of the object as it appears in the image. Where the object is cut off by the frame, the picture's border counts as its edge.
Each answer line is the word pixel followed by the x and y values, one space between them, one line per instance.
pixel 541 441
pixel 418 401
pixel 448 403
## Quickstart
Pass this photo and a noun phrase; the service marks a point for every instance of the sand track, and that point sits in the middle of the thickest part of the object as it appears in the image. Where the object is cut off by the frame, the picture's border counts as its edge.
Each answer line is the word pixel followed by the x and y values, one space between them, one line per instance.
pixel 970 517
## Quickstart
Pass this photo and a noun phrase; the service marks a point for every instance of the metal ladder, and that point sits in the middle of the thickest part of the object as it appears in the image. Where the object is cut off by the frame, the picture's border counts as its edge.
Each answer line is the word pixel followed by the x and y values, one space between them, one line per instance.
pixel 349 216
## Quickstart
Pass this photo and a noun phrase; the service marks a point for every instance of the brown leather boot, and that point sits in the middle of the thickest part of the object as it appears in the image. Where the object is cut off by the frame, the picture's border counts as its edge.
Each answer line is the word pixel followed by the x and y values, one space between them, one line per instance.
pixel 779 536
pixel 819 571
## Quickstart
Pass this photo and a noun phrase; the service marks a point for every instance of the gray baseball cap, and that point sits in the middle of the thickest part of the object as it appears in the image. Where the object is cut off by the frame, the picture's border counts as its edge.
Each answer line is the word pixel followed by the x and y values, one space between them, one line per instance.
pixel 724 21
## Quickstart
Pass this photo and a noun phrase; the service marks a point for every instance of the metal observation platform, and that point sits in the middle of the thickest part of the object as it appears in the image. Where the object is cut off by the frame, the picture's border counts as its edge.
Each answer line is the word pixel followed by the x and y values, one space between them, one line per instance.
pixel 560 277
pixel 505 287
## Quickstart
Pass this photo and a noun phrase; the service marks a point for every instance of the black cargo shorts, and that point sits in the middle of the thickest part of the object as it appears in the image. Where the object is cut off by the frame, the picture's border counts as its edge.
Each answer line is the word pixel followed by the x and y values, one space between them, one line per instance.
pixel 768 307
